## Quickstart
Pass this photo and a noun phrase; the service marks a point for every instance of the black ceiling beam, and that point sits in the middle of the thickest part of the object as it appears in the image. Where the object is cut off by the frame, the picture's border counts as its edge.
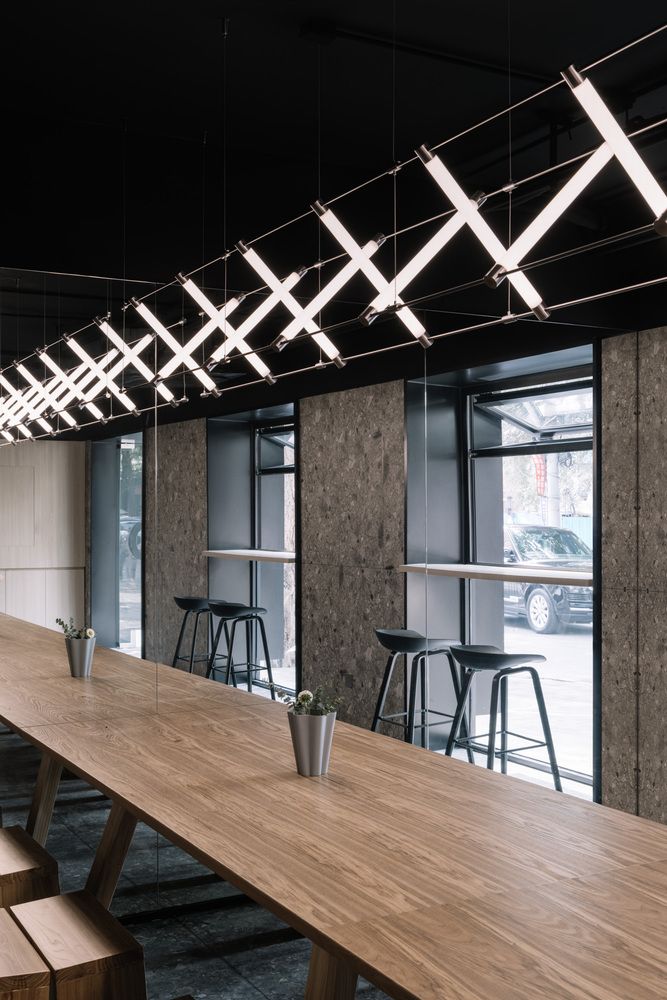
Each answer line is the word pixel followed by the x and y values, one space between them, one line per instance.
pixel 324 32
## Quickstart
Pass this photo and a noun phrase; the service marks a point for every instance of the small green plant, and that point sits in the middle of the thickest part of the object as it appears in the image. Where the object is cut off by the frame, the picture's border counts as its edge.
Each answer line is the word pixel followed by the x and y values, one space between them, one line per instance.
pixel 317 702
pixel 73 631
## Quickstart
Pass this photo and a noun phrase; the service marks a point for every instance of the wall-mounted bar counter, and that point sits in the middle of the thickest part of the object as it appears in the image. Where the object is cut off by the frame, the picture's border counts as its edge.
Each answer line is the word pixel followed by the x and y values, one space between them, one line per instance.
pixel 252 555
pixel 513 573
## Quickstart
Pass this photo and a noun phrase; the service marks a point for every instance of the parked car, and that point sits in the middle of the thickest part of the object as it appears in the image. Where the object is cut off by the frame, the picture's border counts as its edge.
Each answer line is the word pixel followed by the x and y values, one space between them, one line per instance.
pixel 547 607
pixel 130 536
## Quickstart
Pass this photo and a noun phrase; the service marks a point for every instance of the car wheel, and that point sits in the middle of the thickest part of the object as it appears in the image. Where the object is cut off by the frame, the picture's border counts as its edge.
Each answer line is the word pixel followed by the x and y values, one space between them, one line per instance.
pixel 541 613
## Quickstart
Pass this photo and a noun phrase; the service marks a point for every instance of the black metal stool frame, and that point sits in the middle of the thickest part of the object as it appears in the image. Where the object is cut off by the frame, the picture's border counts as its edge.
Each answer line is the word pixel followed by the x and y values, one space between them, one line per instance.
pixel 191 659
pixel 499 689
pixel 419 667
pixel 230 667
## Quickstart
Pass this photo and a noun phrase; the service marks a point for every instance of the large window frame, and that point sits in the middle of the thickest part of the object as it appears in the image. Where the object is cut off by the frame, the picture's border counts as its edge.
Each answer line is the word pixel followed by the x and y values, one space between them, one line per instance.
pixel 543 444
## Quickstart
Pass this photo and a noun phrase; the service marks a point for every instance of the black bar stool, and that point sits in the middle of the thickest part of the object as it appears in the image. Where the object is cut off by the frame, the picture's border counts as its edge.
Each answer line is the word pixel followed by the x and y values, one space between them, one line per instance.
pixel 230 616
pixel 474 659
pixel 196 606
pixel 406 642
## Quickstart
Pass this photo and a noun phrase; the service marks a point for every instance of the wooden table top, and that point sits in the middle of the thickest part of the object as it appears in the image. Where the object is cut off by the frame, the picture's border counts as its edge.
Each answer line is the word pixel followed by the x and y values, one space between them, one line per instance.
pixel 433 878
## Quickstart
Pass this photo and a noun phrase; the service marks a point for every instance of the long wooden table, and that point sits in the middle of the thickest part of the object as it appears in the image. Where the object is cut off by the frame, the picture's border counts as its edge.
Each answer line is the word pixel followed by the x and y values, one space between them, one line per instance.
pixel 432 878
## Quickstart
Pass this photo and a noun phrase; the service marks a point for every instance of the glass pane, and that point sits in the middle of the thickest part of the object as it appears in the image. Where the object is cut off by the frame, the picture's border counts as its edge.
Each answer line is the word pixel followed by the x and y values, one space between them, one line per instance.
pixel 276 582
pixel 130 540
pixel 543 514
pixel 551 416
pixel 276 448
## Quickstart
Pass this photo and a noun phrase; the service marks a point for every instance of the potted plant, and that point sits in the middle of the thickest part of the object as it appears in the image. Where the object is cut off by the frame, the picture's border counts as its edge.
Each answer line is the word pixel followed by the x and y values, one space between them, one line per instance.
pixel 312 715
pixel 80 643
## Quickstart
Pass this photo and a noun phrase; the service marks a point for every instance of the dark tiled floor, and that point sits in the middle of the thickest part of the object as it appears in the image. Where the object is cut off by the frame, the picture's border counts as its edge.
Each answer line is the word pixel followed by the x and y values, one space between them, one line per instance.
pixel 233 952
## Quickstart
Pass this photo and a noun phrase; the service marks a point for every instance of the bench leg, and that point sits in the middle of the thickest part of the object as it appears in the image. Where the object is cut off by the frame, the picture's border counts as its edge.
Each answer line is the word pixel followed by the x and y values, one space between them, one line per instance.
pixel 329 978
pixel 43 799
pixel 111 854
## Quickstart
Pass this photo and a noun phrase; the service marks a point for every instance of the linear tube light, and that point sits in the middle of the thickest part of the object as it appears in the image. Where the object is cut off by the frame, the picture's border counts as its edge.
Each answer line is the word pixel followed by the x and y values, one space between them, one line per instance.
pixel 106 382
pixel 74 389
pixel 181 355
pixel 233 338
pixel 622 148
pixel 130 356
pixel 25 407
pixel 288 300
pixel 370 271
pixel 49 398
pixel 469 209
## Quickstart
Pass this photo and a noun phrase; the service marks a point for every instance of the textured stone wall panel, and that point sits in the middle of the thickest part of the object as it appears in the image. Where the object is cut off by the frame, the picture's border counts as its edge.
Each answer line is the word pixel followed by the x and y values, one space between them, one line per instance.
pixel 352 456
pixel 176 531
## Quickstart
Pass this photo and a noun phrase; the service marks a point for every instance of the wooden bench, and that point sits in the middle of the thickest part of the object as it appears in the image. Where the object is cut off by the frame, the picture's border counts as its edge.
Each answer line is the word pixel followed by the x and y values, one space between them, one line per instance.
pixel 23 973
pixel 27 870
pixel 91 956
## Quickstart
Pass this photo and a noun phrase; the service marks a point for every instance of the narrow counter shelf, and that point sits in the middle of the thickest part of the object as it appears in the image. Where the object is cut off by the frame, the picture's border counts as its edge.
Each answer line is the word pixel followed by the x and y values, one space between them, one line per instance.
pixel 252 555
pixel 512 573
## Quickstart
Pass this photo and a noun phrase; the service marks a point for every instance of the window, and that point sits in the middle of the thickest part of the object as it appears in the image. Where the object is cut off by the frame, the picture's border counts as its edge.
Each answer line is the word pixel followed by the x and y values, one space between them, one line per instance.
pixel 531 499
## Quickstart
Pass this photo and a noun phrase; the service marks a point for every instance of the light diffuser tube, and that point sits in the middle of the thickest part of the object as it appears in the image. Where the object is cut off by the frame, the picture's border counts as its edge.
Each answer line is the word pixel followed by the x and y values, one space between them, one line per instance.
pixel 418 263
pixel 17 407
pixel 81 377
pixel 131 356
pixel 622 148
pixel 47 396
pixel 234 338
pixel 107 382
pixel 8 436
pixel 368 268
pixel 171 342
pixel 486 236
pixel 288 300
pixel 304 319
pixel 26 407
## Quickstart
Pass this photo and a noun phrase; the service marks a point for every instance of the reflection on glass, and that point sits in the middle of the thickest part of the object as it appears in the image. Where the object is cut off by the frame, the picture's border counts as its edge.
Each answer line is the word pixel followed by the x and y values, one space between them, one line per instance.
pixel 129 537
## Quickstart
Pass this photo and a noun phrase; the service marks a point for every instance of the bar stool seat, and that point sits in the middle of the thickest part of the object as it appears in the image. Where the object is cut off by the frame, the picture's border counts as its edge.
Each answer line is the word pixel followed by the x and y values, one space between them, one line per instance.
pixel 229 615
pixel 196 606
pixel 407 642
pixel 473 660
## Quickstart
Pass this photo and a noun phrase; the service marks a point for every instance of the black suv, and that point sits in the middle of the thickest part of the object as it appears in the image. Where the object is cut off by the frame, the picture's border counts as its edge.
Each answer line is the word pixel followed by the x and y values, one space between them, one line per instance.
pixel 547 607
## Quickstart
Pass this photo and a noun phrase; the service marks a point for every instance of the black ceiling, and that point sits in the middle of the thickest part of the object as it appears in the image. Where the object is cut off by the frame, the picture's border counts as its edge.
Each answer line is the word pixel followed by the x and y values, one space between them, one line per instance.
pixel 117 146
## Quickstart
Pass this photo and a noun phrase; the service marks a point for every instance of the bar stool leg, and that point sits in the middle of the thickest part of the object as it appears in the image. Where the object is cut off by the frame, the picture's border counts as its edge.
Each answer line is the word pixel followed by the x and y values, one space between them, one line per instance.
pixel 460 711
pixel 425 700
pixel 194 641
pixel 265 645
pixel 180 638
pixel 384 688
pixel 546 728
pixel 465 732
pixel 493 722
pixel 248 652
pixel 230 662
pixel 214 645
pixel 412 702
pixel 503 724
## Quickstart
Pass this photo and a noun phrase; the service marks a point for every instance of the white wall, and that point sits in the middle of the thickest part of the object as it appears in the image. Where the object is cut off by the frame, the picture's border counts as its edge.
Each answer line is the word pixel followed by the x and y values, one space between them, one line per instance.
pixel 42 531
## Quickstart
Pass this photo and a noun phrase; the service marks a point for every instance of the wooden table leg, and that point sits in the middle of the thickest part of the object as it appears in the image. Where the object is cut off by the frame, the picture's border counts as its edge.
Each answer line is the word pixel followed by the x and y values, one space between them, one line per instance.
pixel 111 854
pixel 44 797
pixel 329 978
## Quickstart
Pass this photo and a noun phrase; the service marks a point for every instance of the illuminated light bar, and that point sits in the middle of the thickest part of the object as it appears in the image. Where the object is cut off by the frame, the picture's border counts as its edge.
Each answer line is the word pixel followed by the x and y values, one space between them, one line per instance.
pixel 26 407
pixel 550 214
pixel 8 437
pixel 368 268
pixel 14 410
pixel 74 388
pixel 107 382
pixel 49 398
pixel 469 209
pixel 304 319
pixel 415 266
pixel 288 300
pixel 622 148
pixel 234 338
pixel 181 355
pixel 129 356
